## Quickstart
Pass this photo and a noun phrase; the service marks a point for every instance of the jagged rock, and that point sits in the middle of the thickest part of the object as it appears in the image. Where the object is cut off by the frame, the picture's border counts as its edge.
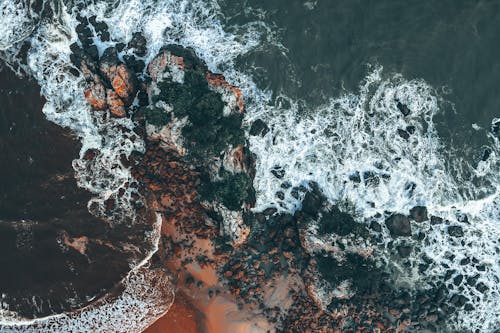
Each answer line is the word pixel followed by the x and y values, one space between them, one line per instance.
pixel 121 79
pixel 403 108
pixel 419 213
pixel 398 225
pixel 112 86
pixel 259 127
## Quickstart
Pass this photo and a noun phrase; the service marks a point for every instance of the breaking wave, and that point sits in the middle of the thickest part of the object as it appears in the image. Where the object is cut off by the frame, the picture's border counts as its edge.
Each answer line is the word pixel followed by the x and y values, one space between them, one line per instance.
pixel 371 159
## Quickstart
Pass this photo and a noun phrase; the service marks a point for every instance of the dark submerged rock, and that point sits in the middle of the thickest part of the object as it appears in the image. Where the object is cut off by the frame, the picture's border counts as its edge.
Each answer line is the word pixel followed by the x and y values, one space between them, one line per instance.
pixel 313 200
pixel 398 225
pixel 403 108
pixel 410 129
pixel 278 172
pixel 139 44
pixel 259 127
pixel 404 251
pixel 365 277
pixel 404 134
pixel 375 226
pixel 419 213
pixel 371 178
pixel 436 220
pixel 355 177
pixel 337 222
pixel 481 287
pixel 459 300
pixel 455 231
pixel 486 154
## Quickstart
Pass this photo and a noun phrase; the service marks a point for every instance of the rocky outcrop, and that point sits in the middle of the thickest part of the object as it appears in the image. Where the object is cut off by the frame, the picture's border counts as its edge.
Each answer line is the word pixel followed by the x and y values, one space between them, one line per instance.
pixel 419 213
pixel 111 84
pixel 197 173
pixel 398 225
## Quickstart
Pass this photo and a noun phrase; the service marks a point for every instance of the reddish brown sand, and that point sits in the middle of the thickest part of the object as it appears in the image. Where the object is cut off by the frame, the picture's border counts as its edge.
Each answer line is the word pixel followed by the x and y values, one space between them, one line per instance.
pixel 204 305
pixel 180 318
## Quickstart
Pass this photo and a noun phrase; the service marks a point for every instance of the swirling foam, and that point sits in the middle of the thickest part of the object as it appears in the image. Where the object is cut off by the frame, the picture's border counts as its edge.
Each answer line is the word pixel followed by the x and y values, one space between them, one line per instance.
pixel 356 136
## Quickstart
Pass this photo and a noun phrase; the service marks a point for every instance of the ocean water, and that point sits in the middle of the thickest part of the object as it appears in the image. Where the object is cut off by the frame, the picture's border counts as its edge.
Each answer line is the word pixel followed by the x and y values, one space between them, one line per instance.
pixel 326 76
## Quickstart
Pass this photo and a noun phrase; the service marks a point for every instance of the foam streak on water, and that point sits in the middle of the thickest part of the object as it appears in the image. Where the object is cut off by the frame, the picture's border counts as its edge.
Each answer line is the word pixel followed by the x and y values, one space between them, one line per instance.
pixel 351 147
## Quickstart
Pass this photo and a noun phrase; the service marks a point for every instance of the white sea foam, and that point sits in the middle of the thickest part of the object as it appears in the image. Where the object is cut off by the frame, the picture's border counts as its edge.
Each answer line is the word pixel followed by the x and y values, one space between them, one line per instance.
pixel 357 134
pixel 148 295
pixel 17 22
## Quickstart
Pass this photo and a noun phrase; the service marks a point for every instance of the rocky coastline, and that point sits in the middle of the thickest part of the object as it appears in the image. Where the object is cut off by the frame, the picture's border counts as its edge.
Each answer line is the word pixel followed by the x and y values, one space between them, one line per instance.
pixel 311 271
pixel 197 172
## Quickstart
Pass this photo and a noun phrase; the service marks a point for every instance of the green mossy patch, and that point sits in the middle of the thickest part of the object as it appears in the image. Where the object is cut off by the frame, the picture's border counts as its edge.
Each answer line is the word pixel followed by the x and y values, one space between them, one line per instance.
pixel 363 273
pixel 209 132
pixel 232 191
pixel 156 116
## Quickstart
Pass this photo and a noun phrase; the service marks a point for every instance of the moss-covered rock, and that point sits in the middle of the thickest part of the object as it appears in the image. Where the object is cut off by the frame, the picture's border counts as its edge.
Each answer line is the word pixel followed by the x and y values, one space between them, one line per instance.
pixel 156 116
pixel 209 131
pixel 232 191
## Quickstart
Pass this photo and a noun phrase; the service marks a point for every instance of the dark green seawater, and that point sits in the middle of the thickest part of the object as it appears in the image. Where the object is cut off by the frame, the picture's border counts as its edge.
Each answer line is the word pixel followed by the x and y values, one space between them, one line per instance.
pixel 451 44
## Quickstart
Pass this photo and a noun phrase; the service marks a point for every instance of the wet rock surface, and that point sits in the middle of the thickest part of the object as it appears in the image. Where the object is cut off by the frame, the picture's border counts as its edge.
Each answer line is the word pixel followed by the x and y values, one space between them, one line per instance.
pixel 398 225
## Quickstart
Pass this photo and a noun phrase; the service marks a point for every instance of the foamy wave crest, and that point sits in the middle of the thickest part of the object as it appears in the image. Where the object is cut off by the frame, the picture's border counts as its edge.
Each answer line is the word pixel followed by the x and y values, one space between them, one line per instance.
pixel 371 159
pixel 148 295
pixel 196 24
pixel 17 22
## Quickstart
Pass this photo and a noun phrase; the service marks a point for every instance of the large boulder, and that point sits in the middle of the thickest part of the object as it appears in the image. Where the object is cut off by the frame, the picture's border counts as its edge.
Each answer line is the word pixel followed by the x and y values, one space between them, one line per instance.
pixel 398 225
